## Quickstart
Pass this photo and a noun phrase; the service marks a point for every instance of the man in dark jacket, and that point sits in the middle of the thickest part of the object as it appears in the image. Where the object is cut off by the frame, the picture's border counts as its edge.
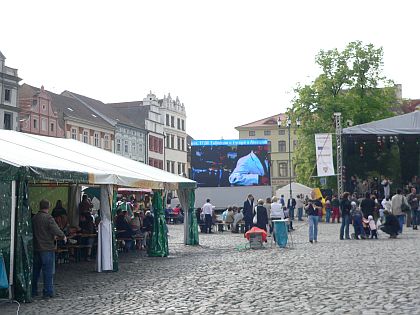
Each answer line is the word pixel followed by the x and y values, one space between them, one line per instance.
pixel 45 229
pixel 248 212
pixel 391 225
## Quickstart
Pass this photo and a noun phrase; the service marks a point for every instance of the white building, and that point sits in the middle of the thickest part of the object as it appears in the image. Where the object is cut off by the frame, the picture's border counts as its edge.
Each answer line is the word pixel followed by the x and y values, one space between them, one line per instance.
pixel 173 113
pixel 9 82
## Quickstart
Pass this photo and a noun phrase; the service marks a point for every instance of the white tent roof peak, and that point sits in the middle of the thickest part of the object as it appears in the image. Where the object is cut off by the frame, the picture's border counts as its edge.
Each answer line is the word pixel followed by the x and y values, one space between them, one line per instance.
pixel 398 125
pixel 297 189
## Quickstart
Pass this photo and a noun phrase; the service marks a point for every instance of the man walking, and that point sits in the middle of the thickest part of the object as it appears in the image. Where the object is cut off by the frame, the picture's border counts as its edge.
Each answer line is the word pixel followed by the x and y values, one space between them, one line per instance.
pixel 396 203
pixel 208 215
pixel 300 205
pixel 248 212
pixel 413 201
pixel 45 229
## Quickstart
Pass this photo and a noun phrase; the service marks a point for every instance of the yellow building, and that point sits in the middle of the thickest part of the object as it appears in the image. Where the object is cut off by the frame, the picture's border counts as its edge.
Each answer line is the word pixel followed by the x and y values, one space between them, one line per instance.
pixel 278 138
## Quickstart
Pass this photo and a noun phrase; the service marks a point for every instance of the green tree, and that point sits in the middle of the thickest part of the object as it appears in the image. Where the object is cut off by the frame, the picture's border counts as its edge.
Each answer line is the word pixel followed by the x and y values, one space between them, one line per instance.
pixel 351 82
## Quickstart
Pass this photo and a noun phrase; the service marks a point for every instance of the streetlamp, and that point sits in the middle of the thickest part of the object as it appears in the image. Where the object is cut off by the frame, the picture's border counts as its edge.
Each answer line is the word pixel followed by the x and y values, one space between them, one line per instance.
pixel 288 125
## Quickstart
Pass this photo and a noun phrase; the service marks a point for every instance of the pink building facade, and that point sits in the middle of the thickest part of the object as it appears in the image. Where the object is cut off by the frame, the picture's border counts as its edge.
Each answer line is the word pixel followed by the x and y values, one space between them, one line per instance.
pixel 37 115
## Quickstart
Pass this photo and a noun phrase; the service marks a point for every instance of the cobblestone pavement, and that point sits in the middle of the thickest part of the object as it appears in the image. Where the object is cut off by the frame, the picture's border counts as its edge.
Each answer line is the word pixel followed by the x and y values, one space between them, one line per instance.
pixel 220 276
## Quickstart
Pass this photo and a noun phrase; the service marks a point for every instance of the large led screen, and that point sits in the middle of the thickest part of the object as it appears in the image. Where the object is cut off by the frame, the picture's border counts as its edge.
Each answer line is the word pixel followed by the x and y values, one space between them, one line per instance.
pixel 224 163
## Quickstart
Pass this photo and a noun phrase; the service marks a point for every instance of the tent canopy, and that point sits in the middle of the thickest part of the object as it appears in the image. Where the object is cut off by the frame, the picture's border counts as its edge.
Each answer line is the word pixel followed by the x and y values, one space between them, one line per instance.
pixel 297 189
pixel 408 124
pixel 88 164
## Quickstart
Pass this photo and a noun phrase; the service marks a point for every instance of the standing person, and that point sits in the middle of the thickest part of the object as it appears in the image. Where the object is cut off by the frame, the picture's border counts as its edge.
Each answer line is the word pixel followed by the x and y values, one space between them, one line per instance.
pixel 327 210
pixel 291 205
pixel 208 215
pixel 85 205
pixel 335 204
pixel 357 217
pixel 312 209
pixel 299 206
pixel 367 206
pixel 262 216
pixel 372 227
pixel 345 206
pixel 45 229
pixel 248 212
pixel 267 205
pixel 396 203
pixel 413 201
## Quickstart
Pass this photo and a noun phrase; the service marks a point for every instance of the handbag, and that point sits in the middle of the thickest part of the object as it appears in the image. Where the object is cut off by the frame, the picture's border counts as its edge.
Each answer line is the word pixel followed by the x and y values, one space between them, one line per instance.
pixel 254 220
pixel 405 207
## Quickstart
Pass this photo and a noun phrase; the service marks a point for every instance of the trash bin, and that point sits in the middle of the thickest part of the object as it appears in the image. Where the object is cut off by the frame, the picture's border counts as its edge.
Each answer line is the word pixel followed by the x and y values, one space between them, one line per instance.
pixel 280 232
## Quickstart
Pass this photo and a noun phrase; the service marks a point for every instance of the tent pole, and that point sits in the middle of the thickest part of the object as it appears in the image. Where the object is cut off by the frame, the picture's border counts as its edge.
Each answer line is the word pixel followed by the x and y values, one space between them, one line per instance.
pixel 12 239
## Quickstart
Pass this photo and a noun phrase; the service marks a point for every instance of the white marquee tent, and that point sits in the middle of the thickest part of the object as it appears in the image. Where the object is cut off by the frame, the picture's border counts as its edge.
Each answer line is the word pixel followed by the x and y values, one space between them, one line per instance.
pixel 297 189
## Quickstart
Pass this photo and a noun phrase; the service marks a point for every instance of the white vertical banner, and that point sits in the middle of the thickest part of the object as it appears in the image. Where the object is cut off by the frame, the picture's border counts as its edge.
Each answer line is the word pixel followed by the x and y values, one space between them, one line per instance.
pixel 324 154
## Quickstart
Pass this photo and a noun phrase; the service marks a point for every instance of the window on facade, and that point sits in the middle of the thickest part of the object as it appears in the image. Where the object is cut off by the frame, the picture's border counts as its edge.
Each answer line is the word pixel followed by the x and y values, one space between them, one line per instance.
pixel 44 124
pixel 150 161
pixel 106 141
pixel 125 146
pixel 96 140
pixel 295 143
pixel 172 166
pixel 172 141
pixel 7 121
pixel 167 141
pixel 156 144
pixel 251 133
pixel 85 136
pixel 133 148
pixel 269 146
pixel 7 95
pixel 52 128
pixel 151 143
pixel 182 144
pixel 74 133
pixel 282 132
pixel 167 119
pixel 267 132
pixel 172 121
pixel 183 124
pixel 160 146
pixel 168 166
pixel 183 168
pixel 179 168
pixel 34 102
pixel 118 145
pixel 160 164
pixel 283 169
pixel 35 123
pixel 178 123
pixel 282 146
pixel 178 142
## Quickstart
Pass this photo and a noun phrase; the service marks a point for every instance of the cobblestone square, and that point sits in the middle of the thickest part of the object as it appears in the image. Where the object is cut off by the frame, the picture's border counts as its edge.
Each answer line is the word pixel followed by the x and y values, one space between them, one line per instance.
pixel 221 277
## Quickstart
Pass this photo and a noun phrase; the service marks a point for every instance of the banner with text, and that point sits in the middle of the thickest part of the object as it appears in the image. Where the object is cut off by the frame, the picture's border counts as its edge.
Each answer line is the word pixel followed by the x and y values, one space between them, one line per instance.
pixel 324 154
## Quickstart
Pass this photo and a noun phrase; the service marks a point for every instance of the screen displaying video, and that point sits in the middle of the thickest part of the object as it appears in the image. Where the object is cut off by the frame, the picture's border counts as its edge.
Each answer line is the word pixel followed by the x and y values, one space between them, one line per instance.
pixel 225 163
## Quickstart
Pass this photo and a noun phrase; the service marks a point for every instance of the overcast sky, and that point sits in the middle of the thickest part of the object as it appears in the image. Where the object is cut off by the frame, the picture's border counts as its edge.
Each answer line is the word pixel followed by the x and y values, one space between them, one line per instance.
pixel 230 62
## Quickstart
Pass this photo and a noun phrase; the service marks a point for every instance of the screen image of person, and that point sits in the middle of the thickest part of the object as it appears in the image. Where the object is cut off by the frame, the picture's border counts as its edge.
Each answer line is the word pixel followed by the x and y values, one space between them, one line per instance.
pixel 249 171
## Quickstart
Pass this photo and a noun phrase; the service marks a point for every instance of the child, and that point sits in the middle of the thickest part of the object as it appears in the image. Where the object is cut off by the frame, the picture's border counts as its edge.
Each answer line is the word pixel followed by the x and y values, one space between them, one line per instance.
pixel 357 217
pixel 372 227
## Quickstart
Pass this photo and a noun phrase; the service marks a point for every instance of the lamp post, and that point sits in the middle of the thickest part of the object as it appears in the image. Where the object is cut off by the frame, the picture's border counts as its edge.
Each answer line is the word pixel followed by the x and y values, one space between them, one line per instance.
pixel 289 125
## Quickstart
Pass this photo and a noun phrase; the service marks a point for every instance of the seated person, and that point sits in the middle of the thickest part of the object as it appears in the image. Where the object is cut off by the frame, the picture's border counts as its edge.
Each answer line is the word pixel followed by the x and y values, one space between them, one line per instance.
pixel 391 225
pixel 168 213
pixel 177 212
pixel 60 216
pixel 124 229
pixel 230 217
pixel 238 217
pixel 87 226
pixel 148 222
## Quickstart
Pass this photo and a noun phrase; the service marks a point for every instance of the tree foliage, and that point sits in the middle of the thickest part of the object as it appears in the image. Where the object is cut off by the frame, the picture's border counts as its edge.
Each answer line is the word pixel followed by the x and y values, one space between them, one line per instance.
pixel 351 82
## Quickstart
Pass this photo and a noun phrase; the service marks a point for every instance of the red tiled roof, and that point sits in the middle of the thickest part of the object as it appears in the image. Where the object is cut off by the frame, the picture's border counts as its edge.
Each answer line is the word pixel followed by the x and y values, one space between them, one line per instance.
pixel 268 121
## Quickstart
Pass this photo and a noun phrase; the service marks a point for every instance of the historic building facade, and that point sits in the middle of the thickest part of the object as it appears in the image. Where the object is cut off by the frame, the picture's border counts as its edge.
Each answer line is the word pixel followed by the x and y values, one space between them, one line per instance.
pixel 174 126
pixel 278 138
pixel 9 84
